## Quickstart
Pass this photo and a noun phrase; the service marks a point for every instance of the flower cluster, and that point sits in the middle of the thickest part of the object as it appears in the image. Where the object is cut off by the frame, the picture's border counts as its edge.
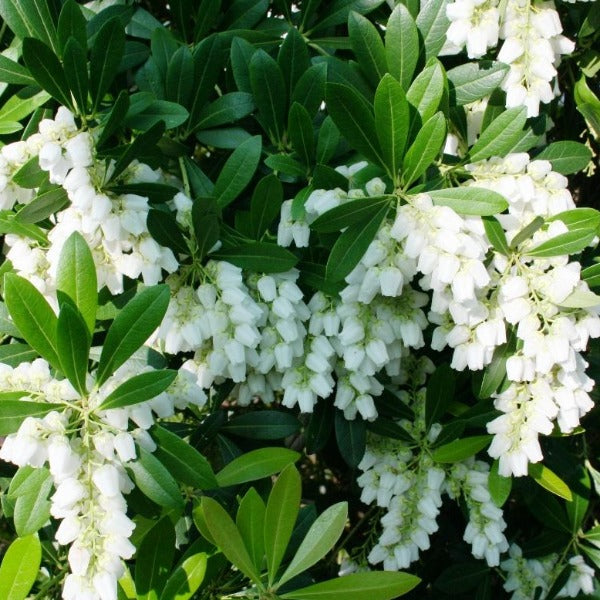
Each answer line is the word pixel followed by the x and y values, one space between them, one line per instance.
pixel 86 450
pixel 532 44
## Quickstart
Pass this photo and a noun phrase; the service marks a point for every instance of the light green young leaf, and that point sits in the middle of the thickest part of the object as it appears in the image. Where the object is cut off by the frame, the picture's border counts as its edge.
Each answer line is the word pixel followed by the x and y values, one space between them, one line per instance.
pixel 227 537
pixel 20 567
pixel 320 539
pixel 578 218
pixel 186 578
pixel 139 388
pixel 131 328
pixel 32 508
pixel 581 298
pixel 154 560
pixel 550 481
pixel 470 200
pixel 182 460
pixel 33 316
pixel 501 135
pixel 402 45
pixel 76 277
pixel 256 464
pixel 280 517
pixel 250 521
pixel 570 242
pixel 474 80
pixel 155 481
pixel 73 340
pixel 18 107
pixel 374 585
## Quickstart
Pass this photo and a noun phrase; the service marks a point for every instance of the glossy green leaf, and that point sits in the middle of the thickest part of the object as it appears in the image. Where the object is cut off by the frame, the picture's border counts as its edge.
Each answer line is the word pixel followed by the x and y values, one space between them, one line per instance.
pixel 33 316
pixel 391 122
pixel 368 47
pixel 19 568
pixel 71 24
pixel 30 19
pixel 282 163
pixel 591 275
pixel 550 481
pixel 183 461
pixel 15 354
pixel 46 69
pixel 13 72
pixel 186 579
pixel 350 213
pixel 154 480
pixel 263 425
pixel 131 328
pixel 32 507
pixel 265 204
pixel 474 80
pixel 566 156
pixel 114 119
pixel 270 96
pixel 351 438
pixel 105 58
pixel 170 113
pixel 256 464
pixel 374 585
pixel 13 412
pixel 470 200
pixel 440 393
pixel 496 236
pixel 424 150
pixel 354 118
pixel 140 388
pixel 75 65
pixel 154 560
pixel 352 244
pixel 310 89
pixel 571 242
pixel 280 517
pixel 402 45
pixel 501 135
pixel 577 219
pixel 433 23
pixel 498 485
pixel 73 340
pixel 205 221
pixel 238 171
pixel 460 449
pixel 259 257
pixel 427 90
pixel 328 141
pixel 30 175
pixel 250 521
pixel 225 109
pixel 76 277
pixel 301 133
pixel 293 59
pixel 320 539
pixel 227 537
pixel 164 228
pixel 337 12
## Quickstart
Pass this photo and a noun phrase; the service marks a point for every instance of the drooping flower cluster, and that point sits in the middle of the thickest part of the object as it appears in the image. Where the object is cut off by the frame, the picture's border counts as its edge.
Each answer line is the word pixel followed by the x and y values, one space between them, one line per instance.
pixel 532 47
pixel 86 450
pixel 409 484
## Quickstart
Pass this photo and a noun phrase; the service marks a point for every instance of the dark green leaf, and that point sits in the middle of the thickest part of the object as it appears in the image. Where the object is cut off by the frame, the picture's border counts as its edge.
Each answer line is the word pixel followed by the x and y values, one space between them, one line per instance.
pixel 183 460
pixel 310 89
pixel 244 14
pixel 270 96
pixel 280 516
pixel 205 221
pixel 30 18
pixel 12 72
pixel 402 45
pixel 433 24
pixel 71 24
pixel 115 118
pixel 241 54
pixel 201 185
pixel 76 277
pixel 154 480
pixel 238 171
pixel 460 449
pixel 368 47
pixel 426 147
pixel 33 317
pixel 461 577
pixel 228 138
pixel 301 134
pixel 75 64
pixel 256 464
pixel 328 141
pixel 352 244
pixel 350 213
pixel 140 388
pixel 440 393
pixel 263 425
pixel 131 328
pixel 265 204
pixel 226 109
pixel 260 257
pixel 293 59
pixel 354 117
pixel 498 485
pixel 282 163
pixel 337 12
pixel 495 233
pixel 351 437
pixel 391 122
pixel 154 560
pixel 169 113
pixel 320 426
pixel 105 58
pixel 165 230
pixel 46 69
pixel 73 340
